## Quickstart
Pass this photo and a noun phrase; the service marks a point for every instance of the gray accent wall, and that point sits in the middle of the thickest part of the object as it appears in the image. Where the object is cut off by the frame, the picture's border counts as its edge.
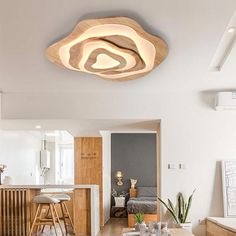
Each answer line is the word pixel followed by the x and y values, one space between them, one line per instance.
pixel 134 155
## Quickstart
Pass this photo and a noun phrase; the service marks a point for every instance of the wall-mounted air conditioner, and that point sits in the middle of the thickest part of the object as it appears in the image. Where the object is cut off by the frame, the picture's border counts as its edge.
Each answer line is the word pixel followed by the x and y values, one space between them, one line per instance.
pixel 225 101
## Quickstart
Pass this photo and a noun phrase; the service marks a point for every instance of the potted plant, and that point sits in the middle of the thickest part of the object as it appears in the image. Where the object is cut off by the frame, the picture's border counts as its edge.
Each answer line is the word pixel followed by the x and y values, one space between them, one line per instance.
pixel 139 219
pixel 180 211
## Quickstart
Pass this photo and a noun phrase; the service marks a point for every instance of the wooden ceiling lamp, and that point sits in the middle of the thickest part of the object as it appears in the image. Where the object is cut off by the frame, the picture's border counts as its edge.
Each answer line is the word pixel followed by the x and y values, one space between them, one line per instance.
pixel 114 48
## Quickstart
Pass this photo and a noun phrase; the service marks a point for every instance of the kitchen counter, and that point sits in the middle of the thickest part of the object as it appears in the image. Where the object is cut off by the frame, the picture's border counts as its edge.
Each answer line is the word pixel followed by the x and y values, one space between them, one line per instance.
pixel 50 186
pixel 84 206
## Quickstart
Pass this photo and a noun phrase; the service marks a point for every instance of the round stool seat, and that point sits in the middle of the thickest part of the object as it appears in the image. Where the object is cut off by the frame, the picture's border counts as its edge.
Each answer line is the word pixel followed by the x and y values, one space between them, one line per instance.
pixel 62 197
pixel 41 199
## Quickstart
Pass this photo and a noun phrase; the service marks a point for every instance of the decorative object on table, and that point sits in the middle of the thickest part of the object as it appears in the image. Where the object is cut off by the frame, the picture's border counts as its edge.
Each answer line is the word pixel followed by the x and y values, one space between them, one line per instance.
pixel 114 48
pixel 8 180
pixel 139 221
pixel 119 177
pixel 133 192
pixel 114 193
pixel 133 183
pixel 157 229
pixel 118 212
pixel 119 198
pixel 181 211
pixel 2 168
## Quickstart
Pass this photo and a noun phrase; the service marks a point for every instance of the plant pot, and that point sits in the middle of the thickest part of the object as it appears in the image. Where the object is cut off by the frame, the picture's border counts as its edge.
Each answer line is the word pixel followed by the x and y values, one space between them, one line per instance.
pixel 138 227
pixel 188 226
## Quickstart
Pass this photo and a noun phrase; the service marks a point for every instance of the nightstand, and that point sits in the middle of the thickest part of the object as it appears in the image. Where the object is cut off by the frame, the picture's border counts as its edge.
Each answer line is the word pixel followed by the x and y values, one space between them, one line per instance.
pixel 118 212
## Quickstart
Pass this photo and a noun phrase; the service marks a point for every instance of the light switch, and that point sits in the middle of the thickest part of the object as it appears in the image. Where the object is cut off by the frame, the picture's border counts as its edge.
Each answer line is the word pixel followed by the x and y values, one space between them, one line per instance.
pixel 182 166
pixel 171 166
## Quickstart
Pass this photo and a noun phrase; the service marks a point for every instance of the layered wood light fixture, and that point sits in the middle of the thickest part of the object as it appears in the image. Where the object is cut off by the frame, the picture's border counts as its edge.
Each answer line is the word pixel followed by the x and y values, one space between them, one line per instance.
pixel 114 48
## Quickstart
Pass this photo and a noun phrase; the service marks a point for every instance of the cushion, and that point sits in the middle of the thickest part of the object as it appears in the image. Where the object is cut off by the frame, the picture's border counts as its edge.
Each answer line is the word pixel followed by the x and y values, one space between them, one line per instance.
pixel 45 199
pixel 62 197
pixel 147 192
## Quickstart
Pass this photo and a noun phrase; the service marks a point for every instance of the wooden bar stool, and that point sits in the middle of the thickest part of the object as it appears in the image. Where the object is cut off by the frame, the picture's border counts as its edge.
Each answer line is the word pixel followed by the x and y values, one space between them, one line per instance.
pixel 39 220
pixel 63 198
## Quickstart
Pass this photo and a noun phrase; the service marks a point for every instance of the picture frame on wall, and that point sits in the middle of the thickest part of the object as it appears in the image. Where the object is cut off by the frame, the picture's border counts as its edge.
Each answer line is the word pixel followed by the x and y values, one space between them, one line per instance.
pixel 229 187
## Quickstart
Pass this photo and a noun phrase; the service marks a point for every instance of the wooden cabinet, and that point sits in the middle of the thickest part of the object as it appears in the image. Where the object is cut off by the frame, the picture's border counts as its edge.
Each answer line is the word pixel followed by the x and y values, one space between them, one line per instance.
pixel 118 212
pixel 214 229
pixel 88 164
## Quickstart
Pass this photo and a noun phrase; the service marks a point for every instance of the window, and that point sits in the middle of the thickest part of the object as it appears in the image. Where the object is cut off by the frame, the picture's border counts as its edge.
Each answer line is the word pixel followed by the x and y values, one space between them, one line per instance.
pixel 66 164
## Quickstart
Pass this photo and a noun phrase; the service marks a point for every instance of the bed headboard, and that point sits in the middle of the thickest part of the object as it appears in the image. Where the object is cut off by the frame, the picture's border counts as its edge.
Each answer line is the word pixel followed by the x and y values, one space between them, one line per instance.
pixel 133 192
pixel 143 192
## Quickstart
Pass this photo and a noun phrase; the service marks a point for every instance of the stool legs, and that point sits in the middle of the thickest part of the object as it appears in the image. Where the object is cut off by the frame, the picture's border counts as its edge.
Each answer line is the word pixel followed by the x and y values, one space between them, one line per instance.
pixel 38 221
pixel 66 215
pixel 58 218
pixel 34 221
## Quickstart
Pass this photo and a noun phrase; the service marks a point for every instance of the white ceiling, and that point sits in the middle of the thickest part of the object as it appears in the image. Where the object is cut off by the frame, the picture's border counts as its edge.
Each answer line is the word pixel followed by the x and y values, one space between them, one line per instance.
pixel 33 88
pixel 88 127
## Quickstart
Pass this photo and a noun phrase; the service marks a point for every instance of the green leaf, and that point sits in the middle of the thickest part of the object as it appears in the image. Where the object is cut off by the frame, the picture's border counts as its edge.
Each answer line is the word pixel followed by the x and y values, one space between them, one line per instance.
pixel 170 210
pixel 139 217
pixel 188 206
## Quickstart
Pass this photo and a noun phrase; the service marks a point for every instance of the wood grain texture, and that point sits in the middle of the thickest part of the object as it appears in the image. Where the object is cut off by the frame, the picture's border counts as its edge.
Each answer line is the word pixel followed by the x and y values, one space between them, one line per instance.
pixel 147 218
pixel 16 211
pixel 133 192
pixel 88 164
pixel 135 51
pixel 213 229
pixel 69 204
pixel 82 212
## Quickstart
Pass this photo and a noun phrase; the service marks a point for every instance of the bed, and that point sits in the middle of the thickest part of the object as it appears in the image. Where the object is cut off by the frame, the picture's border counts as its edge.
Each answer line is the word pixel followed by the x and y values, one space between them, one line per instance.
pixel 144 200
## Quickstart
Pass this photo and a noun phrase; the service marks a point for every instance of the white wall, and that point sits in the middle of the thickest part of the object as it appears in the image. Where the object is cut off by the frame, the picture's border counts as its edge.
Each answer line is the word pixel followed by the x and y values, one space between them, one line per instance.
pixel 19 150
pixel 50 175
pixel 106 177
pixel 196 135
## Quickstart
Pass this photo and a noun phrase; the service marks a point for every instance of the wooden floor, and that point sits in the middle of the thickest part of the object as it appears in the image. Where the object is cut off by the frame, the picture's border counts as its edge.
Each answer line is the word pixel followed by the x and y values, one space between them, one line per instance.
pixel 48 232
pixel 114 227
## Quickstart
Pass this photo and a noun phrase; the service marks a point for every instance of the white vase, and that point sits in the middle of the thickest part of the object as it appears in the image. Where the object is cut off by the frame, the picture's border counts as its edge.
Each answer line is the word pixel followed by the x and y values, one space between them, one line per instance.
pixel 140 227
pixel 8 180
pixel 188 226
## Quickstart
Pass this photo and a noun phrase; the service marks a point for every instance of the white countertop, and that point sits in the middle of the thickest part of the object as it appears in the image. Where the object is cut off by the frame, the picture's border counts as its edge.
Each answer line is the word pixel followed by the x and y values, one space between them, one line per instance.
pixel 50 186
pixel 226 223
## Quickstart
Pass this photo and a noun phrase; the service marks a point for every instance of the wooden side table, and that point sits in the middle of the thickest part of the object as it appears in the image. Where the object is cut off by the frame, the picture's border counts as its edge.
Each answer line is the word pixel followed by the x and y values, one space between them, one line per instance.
pixel 118 212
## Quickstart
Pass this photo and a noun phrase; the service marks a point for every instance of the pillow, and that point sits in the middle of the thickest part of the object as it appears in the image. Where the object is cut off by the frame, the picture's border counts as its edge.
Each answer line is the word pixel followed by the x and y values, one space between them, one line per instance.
pixel 147 192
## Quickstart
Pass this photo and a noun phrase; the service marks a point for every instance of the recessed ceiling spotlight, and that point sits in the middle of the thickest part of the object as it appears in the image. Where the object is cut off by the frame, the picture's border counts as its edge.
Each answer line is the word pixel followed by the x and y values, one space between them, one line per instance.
pixel 38 127
pixel 231 30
